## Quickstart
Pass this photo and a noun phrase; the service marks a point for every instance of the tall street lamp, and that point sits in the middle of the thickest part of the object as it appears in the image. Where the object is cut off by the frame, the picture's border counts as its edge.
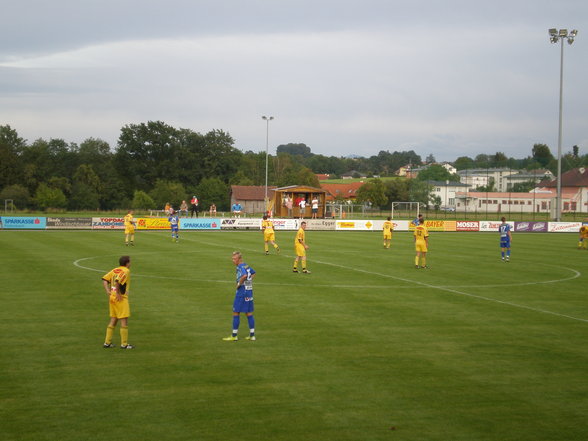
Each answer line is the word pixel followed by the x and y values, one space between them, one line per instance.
pixel 556 36
pixel 267 120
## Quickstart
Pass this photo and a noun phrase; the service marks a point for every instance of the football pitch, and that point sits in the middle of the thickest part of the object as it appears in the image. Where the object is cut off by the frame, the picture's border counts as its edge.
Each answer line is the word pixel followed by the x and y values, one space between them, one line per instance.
pixel 364 348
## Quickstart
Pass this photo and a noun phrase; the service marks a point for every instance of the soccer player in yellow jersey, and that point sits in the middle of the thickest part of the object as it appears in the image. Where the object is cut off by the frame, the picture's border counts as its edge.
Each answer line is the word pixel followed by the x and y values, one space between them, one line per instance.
pixel 583 242
pixel 269 235
pixel 117 286
pixel 387 229
pixel 129 229
pixel 300 247
pixel 421 244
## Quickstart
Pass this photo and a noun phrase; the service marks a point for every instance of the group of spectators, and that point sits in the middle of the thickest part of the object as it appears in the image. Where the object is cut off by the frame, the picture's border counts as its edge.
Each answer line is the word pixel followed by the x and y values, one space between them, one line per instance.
pixel 194 208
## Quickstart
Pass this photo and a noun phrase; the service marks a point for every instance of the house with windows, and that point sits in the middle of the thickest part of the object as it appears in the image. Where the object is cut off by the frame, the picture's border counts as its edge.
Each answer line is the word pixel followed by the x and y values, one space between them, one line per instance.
pixel 445 191
pixel 504 202
pixel 574 189
pixel 481 177
pixel 532 177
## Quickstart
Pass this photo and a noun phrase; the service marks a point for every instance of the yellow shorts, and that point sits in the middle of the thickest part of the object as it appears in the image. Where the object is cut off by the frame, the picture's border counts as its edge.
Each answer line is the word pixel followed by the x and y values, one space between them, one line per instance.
pixel 129 230
pixel 300 250
pixel 387 236
pixel 421 246
pixel 119 309
pixel 269 237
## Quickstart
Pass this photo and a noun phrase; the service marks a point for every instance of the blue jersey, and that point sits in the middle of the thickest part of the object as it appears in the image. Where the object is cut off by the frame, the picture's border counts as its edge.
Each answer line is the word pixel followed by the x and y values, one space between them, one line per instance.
pixel 246 289
pixel 416 222
pixel 174 221
pixel 504 230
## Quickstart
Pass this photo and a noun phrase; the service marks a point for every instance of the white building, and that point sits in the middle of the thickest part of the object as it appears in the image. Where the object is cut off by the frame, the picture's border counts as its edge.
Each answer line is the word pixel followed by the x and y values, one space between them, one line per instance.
pixel 446 191
pixel 505 202
pixel 475 176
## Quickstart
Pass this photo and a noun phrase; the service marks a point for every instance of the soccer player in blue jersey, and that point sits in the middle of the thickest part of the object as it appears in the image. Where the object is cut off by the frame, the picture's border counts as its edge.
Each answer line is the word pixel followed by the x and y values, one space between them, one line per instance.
pixel 418 221
pixel 243 298
pixel 174 222
pixel 505 239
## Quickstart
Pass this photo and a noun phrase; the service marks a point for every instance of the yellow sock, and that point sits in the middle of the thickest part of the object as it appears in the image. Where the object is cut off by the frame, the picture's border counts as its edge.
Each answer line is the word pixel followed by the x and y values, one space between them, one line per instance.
pixel 423 261
pixel 303 264
pixel 295 264
pixel 266 248
pixel 124 335
pixel 276 246
pixel 416 260
pixel 109 332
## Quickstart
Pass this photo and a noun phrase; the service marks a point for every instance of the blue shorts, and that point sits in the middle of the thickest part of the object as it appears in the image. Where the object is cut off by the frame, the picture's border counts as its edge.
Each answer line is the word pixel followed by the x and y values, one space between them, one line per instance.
pixel 504 242
pixel 243 303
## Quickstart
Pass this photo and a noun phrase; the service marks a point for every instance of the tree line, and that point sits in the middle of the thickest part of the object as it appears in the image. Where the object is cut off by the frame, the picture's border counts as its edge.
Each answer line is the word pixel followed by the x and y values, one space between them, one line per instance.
pixel 154 163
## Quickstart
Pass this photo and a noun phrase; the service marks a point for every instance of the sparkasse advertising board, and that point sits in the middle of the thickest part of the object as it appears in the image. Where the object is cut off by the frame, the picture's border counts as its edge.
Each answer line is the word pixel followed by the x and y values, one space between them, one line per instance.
pixel 200 224
pixel 24 223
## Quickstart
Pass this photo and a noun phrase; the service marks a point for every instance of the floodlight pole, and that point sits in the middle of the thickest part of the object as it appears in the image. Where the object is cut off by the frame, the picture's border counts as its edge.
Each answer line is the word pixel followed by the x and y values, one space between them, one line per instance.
pixel 267 120
pixel 560 36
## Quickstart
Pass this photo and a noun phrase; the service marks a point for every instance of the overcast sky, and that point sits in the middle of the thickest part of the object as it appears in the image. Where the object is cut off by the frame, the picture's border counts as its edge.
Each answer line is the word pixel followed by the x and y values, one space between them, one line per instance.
pixel 448 78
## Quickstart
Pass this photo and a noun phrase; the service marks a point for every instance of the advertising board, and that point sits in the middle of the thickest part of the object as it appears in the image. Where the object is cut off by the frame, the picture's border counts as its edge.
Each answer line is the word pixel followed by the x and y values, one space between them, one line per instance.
pixel 156 223
pixel 320 224
pixel 108 223
pixel 564 227
pixel 240 224
pixel 531 227
pixel 69 223
pixel 354 225
pixel 24 223
pixel 200 224
pixel 467 226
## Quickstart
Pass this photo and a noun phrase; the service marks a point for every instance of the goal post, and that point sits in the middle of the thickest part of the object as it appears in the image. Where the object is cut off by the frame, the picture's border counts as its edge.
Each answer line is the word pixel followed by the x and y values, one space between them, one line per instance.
pixel 405 209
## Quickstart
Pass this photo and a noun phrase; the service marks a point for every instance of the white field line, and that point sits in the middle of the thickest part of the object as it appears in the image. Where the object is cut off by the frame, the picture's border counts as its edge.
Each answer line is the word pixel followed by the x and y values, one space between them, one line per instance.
pixel 575 275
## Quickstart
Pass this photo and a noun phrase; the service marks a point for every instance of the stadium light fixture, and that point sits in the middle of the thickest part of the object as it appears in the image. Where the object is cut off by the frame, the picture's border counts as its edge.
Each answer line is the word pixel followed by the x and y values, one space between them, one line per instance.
pixel 560 36
pixel 267 120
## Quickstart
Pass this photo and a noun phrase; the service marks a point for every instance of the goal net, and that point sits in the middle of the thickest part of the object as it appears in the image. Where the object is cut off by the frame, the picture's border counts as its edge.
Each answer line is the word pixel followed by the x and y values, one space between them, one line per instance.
pixel 408 210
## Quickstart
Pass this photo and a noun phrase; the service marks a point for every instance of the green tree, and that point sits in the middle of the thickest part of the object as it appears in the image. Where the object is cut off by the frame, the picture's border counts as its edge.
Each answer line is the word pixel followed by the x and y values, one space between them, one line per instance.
pixel 167 191
pixel 420 191
pixel 142 201
pixel 11 165
pixel 86 189
pixel 48 197
pixel 398 190
pixel 374 192
pixel 19 194
pixel 463 163
pixel 294 149
pixel 542 154
pixel 213 191
pixel 435 172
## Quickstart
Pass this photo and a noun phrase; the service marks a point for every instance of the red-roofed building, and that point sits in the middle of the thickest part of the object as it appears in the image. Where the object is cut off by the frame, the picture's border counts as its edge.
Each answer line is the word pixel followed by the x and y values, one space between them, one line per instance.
pixel 574 189
pixel 342 191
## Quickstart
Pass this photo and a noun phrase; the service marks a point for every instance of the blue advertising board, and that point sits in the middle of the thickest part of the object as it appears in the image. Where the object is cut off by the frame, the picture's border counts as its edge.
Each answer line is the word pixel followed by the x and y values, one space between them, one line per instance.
pixel 21 223
pixel 200 224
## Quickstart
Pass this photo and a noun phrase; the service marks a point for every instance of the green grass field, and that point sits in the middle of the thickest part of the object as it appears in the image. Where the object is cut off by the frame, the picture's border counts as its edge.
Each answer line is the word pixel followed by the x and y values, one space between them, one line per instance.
pixel 364 348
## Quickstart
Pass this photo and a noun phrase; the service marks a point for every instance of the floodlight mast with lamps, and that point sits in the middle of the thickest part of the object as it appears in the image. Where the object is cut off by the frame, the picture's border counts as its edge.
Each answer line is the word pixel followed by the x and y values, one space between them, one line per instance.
pixel 559 36
pixel 267 120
